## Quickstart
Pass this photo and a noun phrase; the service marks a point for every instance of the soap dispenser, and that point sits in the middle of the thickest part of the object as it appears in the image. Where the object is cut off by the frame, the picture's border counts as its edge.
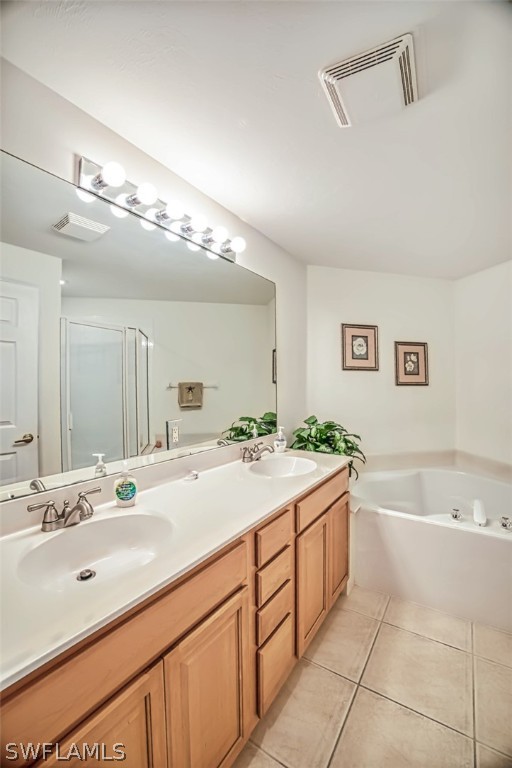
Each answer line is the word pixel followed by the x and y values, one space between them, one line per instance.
pixel 125 488
pixel 100 469
pixel 280 441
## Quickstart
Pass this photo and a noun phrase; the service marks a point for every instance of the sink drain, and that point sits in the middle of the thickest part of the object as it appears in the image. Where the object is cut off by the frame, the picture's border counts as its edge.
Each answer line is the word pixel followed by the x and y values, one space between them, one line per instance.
pixel 86 575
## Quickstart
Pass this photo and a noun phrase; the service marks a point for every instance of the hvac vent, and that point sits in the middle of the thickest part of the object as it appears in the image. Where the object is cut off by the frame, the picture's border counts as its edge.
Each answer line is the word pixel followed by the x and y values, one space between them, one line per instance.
pixel 77 226
pixel 377 83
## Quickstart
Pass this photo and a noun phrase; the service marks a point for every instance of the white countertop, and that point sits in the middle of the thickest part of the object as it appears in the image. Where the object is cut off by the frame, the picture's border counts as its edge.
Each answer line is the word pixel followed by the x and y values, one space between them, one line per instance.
pixel 40 621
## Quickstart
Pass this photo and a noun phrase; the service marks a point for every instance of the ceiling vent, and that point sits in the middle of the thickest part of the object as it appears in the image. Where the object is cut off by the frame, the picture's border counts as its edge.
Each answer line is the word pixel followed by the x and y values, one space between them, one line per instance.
pixel 79 227
pixel 374 84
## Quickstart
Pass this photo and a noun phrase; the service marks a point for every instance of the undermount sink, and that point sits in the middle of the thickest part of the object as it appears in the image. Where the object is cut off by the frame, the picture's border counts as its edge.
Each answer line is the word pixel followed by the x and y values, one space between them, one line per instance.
pixel 282 466
pixel 111 547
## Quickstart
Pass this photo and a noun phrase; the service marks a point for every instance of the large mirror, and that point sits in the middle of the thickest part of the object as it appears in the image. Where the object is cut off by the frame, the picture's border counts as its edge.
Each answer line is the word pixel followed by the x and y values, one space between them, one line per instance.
pixel 115 340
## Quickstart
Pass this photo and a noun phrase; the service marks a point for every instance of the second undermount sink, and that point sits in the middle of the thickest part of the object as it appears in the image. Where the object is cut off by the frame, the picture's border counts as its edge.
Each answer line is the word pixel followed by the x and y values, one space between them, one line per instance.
pixel 282 466
pixel 111 547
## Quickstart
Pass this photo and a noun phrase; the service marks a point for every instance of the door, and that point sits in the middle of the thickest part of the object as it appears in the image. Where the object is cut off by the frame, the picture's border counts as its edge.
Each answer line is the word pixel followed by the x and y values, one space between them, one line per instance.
pixel 338 547
pixel 132 723
pixel 312 587
pixel 204 684
pixel 19 320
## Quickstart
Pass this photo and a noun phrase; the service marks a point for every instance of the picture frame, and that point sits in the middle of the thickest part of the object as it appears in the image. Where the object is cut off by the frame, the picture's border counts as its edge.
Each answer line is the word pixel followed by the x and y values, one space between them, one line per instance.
pixel 359 347
pixel 411 363
pixel 274 367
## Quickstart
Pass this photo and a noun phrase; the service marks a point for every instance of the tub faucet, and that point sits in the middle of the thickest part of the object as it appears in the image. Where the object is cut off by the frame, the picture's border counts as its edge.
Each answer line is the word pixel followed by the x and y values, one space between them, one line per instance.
pixel 479 512
pixel 506 523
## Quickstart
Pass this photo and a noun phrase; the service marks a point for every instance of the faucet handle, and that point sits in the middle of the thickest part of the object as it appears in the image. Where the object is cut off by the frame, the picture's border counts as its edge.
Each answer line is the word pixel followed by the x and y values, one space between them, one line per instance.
pixel 52 518
pixel 83 494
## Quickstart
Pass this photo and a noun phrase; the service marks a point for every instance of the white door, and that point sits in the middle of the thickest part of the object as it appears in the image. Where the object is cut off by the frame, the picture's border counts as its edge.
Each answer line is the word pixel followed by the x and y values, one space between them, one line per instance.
pixel 19 313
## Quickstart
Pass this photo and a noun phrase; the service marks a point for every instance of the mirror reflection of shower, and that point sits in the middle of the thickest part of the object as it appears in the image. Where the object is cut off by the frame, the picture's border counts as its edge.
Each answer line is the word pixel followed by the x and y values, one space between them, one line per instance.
pixel 104 392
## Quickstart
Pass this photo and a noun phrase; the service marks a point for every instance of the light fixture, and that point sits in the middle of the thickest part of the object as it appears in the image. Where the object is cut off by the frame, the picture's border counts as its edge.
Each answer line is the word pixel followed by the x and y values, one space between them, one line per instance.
pixel 172 212
pixel 84 196
pixel 146 194
pixel 111 175
pixel 143 201
pixel 63 282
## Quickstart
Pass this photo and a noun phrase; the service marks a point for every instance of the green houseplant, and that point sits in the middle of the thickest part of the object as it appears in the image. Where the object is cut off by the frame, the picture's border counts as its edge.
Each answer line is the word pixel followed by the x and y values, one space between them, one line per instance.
pixel 244 427
pixel 328 437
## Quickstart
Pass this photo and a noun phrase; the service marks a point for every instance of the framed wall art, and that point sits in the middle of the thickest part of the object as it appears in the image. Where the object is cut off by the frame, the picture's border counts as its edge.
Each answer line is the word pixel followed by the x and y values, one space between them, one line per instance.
pixel 359 347
pixel 411 363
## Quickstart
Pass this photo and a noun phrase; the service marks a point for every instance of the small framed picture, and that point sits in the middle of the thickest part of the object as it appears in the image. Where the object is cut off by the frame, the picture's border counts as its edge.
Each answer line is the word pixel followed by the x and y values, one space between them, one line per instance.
pixel 274 367
pixel 411 363
pixel 359 347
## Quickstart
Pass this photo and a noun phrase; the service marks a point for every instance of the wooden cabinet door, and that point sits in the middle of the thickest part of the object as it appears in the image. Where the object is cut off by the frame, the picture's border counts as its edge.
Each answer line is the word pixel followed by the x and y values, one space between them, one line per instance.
pixel 133 723
pixel 338 547
pixel 204 687
pixel 312 588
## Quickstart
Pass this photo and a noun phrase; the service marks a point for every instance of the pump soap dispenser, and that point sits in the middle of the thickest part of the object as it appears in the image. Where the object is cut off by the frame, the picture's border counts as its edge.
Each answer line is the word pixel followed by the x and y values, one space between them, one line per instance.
pixel 100 469
pixel 125 488
pixel 280 441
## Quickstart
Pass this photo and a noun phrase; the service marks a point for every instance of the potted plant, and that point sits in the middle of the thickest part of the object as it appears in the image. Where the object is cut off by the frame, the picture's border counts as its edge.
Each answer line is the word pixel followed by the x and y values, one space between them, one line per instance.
pixel 247 427
pixel 328 437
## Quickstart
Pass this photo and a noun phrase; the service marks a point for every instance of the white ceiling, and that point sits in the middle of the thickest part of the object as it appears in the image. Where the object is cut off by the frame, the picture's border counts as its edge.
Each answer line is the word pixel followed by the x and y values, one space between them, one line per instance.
pixel 226 94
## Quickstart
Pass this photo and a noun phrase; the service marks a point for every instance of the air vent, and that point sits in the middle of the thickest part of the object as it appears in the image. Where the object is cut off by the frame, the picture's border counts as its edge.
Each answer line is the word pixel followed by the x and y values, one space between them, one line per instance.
pixel 79 227
pixel 374 84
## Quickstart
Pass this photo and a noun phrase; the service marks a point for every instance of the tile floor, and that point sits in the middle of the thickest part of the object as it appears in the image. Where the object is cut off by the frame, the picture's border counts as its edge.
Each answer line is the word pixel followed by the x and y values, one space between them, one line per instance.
pixel 391 684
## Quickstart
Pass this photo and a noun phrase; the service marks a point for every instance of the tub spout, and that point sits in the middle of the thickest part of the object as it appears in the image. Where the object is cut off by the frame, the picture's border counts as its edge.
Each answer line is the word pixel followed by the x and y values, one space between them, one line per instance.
pixel 479 512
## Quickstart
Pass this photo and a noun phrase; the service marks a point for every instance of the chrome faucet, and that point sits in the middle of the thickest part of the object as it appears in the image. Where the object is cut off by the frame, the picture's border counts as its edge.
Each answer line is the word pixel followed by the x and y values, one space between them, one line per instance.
pixel 37 485
pixel 255 452
pixel 53 520
pixel 506 523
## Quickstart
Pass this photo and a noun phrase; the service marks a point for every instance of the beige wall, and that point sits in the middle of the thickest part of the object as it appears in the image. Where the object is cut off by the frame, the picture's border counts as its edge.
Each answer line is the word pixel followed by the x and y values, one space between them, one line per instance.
pixel 483 353
pixel 390 419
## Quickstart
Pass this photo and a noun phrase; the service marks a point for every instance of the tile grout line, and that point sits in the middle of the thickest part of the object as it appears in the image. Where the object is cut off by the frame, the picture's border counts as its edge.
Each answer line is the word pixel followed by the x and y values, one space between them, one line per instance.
pixel 416 712
pixel 427 637
pixel 345 721
pixel 268 754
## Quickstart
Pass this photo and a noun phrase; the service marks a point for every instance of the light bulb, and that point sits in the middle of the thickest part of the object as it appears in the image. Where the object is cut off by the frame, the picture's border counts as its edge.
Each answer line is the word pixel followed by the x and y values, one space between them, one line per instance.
pixel 219 234
pixel 62 282
pixel 119 212
pixel 172 237
pixel 146 194
pixel 238 244
pixel 86 197
pixel 193 247
pixel 197 237
pixel 150 214
pixel 175 210
pixel 147 225
pixel 113 174
pixel 175 227
pixel 198 223
pixel 211 255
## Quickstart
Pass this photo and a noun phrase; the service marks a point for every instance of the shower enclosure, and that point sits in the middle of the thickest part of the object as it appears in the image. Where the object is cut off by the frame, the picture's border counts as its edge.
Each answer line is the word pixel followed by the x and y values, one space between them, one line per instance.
pixel 104 392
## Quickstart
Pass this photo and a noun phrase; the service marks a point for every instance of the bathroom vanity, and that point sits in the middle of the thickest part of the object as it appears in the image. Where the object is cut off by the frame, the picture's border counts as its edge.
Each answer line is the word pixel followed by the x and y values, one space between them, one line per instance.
pixel 181 676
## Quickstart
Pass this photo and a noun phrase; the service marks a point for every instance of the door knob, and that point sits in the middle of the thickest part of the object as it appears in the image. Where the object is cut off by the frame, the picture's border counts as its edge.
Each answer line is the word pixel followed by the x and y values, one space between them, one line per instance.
pixel 25 440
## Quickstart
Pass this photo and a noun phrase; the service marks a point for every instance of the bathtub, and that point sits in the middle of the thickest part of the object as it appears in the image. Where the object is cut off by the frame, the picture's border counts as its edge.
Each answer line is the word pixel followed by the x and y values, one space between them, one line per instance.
pixel 405 542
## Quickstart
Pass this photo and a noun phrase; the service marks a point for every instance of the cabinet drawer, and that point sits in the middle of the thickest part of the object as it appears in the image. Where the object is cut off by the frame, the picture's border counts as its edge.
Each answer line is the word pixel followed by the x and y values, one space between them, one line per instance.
pixel 102 667
pixel 318 501
pixel 275 660
pixel 273 537
pixel 273 575
pixel 268 617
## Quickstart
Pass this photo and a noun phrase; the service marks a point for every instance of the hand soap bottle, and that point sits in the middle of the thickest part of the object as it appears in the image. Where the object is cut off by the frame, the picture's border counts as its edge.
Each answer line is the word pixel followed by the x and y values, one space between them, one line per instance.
pixel 280 442
pixel 125 488
pixel 100 469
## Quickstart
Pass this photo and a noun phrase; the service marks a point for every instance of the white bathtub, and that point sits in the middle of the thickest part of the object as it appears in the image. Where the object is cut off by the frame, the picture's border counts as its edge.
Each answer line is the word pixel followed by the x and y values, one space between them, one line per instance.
pixel 405 543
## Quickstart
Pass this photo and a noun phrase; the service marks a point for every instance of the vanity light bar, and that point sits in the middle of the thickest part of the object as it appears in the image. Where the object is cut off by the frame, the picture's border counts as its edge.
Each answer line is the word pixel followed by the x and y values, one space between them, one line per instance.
pixel 109 182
